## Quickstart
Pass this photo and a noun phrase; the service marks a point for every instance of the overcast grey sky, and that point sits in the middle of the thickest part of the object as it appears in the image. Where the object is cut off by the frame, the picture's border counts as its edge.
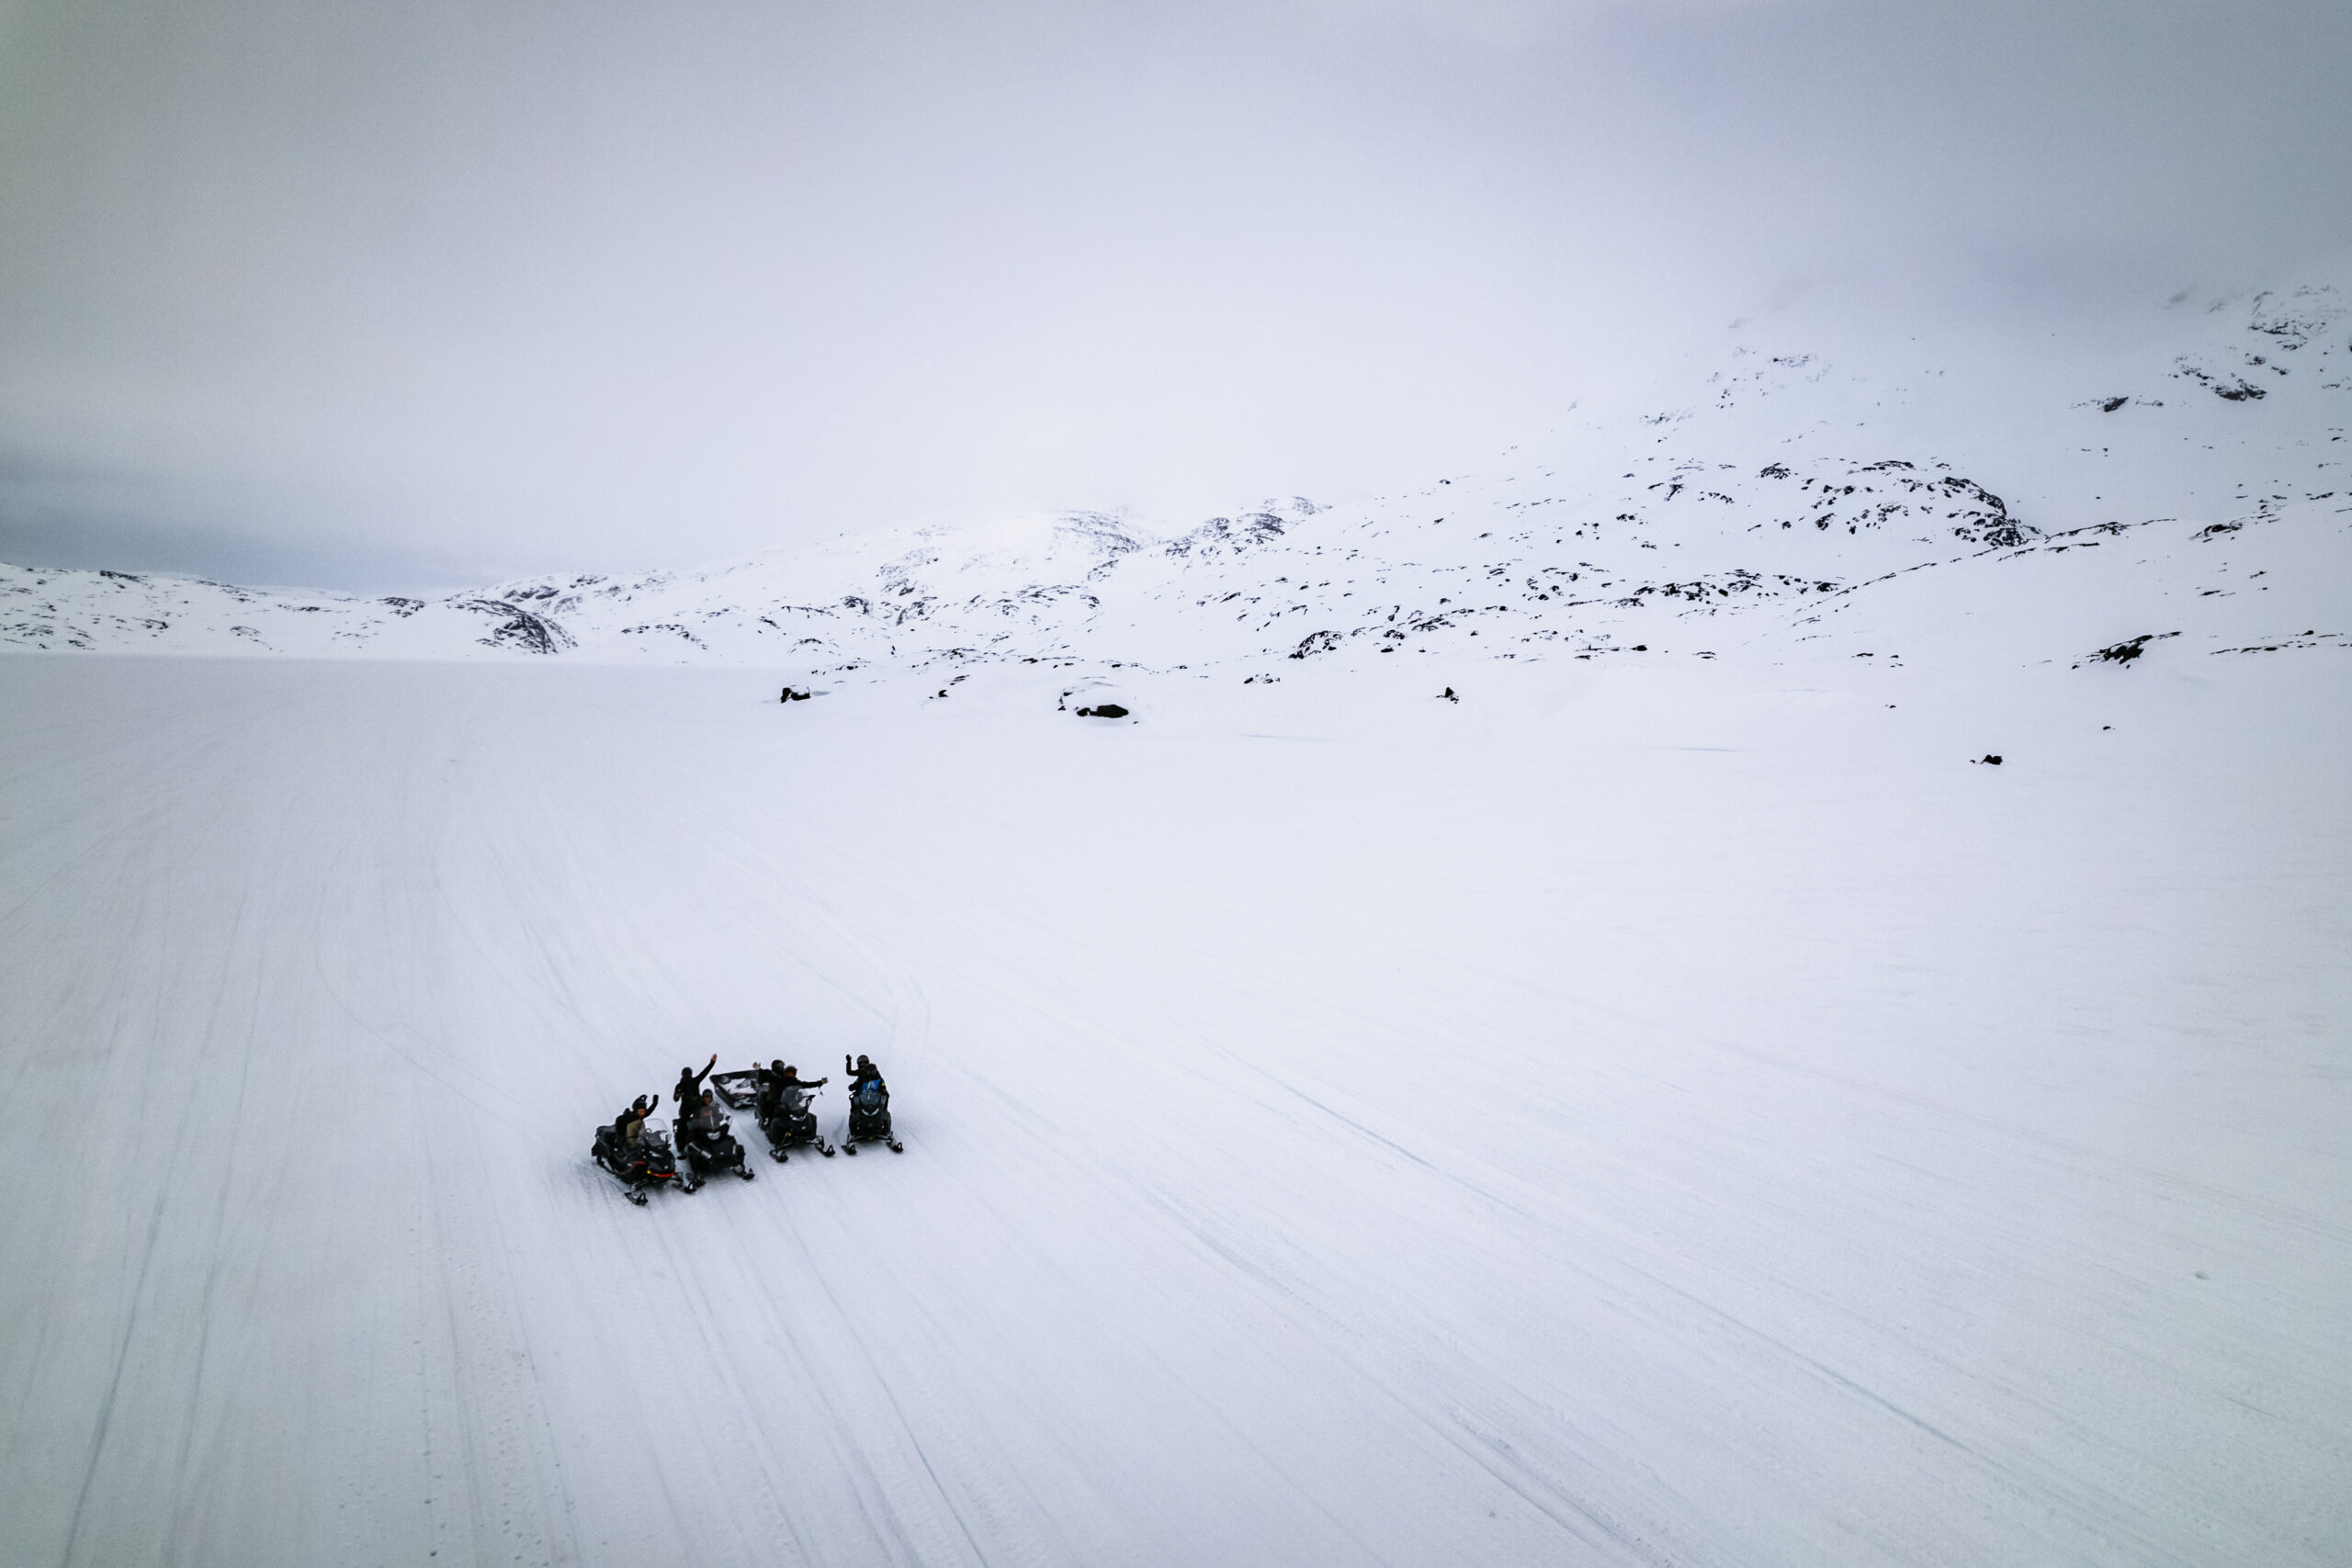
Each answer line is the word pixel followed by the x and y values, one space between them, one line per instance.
pixel 367 292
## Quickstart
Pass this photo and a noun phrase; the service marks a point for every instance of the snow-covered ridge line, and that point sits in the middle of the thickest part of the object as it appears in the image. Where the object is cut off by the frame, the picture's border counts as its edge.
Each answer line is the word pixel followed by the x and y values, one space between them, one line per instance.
pixel 109 611
pixel 1761 510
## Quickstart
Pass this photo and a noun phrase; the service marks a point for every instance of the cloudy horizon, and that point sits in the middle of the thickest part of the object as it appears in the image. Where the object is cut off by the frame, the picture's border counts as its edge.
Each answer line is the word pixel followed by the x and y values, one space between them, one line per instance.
pixel 376 295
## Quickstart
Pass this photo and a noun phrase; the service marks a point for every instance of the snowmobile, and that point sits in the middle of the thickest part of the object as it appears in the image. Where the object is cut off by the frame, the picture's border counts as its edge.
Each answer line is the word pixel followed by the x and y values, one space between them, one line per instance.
pixel 712 1151
pixel 869 1117
pixel 789 1123
pixel 647 1164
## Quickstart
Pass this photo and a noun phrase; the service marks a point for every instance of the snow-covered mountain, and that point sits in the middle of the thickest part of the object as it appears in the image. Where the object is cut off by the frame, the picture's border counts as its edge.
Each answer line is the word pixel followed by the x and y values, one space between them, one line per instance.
pixel 1780 500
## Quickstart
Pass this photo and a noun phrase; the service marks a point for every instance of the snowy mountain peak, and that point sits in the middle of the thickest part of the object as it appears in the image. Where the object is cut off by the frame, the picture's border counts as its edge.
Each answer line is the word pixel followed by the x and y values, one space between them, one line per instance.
pixel 1784 502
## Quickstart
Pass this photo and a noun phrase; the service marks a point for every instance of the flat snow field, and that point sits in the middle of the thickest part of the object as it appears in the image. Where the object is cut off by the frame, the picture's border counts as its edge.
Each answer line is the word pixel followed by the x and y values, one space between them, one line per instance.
pixel 1689 1115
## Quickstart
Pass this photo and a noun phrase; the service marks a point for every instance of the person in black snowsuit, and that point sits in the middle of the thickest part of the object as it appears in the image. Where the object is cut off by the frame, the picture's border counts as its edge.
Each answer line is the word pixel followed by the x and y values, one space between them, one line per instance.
pixel 623 1148
pixel 776 1080
pixel 706 1139
pixel 782 1109
pixel 705 1118
pixel 688 1094
pixel 869 1105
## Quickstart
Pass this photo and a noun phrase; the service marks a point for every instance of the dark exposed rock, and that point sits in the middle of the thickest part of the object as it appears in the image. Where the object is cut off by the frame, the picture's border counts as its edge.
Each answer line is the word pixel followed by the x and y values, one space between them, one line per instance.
pixel 2124 653
pixel 522 629
pixel 2223 384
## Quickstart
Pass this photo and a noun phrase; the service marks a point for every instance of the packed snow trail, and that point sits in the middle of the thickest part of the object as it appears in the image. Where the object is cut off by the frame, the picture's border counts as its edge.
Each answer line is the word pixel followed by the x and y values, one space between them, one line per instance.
pixel 1627 1117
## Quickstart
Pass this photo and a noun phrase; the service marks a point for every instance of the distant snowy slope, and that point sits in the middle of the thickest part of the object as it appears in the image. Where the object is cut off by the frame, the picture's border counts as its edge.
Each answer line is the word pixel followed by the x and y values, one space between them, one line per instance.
pixel 1776 497
pixel 1006 587
pixel 125 611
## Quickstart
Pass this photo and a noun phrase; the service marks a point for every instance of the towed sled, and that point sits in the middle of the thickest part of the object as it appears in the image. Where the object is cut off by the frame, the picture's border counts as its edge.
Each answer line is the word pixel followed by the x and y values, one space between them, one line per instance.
pixel 708 1153
pixel 869 1118
pixel 788 1125
pixel 641 1167
pixel 740 1089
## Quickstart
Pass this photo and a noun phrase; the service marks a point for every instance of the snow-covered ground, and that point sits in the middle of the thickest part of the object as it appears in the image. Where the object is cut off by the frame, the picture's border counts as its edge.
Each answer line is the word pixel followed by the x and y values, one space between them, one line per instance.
pixel 1682 1113
pixel 1546 1037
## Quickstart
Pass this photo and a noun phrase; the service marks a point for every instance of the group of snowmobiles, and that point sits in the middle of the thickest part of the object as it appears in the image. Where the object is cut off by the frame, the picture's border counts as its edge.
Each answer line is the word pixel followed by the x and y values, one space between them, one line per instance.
pixel 642 1157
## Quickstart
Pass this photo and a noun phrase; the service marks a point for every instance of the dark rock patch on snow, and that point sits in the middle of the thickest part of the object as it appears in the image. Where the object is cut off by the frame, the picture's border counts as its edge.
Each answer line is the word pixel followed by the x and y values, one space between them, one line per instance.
pixel 521 629
pixel 2129 649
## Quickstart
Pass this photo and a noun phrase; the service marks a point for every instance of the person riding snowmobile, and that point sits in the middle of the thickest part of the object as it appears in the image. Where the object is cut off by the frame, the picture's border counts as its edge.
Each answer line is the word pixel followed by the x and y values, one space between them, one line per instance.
pixel 783 1109
pixel 688 1094
pixel 705 1118
pixel 706 1140
pixel 778 1082
pixel 869 1106
pixel 637 1160
pixel 630 1125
